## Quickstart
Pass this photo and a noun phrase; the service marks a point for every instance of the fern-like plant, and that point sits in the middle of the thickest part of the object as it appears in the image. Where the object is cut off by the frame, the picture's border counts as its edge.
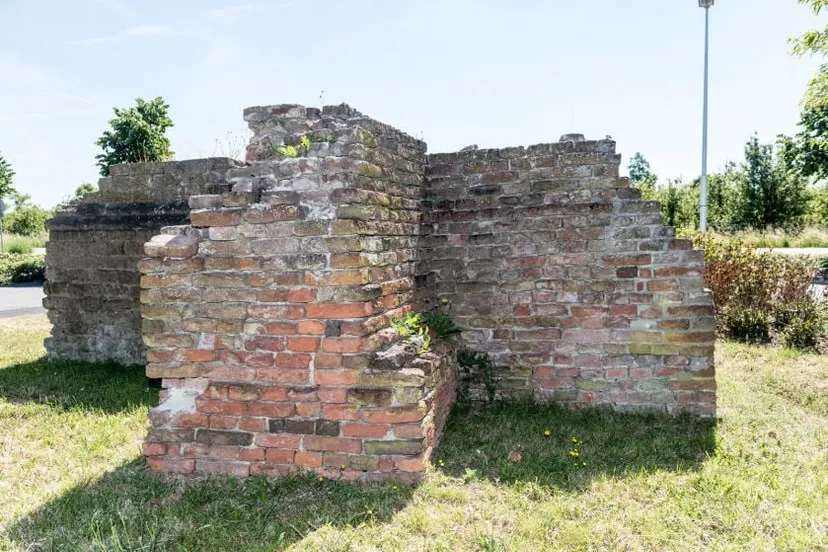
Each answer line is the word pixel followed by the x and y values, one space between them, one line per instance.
pixel 287 151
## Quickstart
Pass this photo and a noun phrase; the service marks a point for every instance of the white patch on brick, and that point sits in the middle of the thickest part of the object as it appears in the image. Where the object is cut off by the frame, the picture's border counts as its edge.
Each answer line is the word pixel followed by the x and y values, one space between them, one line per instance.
pixel 182 399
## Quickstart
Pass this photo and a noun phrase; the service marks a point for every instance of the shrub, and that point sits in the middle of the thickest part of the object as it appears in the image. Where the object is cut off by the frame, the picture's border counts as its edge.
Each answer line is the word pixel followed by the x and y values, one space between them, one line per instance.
pixel 20 249
pixel 751 290
pixel 749 325
pixel 741 277
pixel 29 271
pixel 801 324
pixel 16 268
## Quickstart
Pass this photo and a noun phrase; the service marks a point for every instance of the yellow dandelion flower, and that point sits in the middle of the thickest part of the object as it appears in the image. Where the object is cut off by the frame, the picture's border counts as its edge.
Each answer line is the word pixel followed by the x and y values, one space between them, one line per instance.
pixel 547 433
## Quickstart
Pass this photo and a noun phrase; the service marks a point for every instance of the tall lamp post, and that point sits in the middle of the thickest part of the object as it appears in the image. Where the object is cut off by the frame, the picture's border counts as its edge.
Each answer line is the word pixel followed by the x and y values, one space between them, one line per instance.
pixel 706 4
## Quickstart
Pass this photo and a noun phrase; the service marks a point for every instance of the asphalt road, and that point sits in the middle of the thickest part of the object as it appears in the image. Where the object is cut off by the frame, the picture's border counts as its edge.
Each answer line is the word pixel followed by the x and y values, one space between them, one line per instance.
pixel 21 299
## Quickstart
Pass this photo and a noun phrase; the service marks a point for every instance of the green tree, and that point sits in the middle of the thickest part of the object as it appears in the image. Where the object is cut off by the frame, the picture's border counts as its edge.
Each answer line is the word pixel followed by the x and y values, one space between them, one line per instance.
pixel 723 197
pixel 642 177
pixel 85 188
pixel 807 152
pixel 814 41
pixel 27 220
pixel 772 194
pixel 6 179
pixel 137 135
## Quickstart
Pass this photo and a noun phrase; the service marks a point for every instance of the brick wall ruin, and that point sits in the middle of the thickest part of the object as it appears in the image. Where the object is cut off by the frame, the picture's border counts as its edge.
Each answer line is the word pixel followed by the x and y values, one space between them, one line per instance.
pixel 95 244
pixel 266 303
pixel 571 283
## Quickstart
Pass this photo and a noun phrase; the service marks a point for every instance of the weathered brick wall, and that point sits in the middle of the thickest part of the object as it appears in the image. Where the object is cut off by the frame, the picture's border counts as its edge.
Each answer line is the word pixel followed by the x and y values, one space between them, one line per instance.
pixel 265 299
pixel 94 247
pixel 267 317
pixel 558 270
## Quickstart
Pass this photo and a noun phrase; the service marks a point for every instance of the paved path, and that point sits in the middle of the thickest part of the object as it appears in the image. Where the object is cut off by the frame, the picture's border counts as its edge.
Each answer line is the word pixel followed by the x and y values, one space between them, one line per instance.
pixel 22 299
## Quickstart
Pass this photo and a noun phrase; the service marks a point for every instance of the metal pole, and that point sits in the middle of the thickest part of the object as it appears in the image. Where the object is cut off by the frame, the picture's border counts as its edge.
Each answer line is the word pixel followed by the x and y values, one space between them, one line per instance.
pixel 703 199
pixel 2 245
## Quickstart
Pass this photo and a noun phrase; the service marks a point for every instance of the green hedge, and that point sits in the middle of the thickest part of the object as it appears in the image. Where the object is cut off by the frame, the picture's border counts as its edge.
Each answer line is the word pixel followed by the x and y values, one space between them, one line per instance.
pixel 16 268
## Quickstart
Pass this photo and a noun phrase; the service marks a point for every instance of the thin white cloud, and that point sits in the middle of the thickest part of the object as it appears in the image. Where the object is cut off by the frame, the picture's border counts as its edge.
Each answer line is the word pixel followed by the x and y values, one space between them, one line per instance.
pixel 132 32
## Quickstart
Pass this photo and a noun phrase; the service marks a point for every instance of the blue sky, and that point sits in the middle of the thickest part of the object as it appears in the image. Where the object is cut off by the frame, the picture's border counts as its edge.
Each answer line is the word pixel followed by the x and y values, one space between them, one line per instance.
pixel 456 72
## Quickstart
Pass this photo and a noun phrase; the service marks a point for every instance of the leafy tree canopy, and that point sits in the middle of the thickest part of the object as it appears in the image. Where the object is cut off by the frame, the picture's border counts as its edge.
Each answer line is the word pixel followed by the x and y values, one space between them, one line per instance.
pixel 137 135
pixel 814 41
pixel 642 177
pixel 6 179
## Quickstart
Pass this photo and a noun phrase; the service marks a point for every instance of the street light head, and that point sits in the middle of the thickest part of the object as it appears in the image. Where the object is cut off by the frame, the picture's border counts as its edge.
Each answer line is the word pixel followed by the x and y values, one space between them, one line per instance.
pixel 706 3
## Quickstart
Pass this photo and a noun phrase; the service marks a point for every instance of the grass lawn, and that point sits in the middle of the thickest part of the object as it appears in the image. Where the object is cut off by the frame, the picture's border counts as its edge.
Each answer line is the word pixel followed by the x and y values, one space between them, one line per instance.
pixel 71 477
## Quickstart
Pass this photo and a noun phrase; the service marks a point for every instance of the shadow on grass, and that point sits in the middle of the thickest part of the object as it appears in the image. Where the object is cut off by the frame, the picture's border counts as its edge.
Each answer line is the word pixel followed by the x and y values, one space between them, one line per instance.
pixel 131 508
pixel 106 387
pixel 552 446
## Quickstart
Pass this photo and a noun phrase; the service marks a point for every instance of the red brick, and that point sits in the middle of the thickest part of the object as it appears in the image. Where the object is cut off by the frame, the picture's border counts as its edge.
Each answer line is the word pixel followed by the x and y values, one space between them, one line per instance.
pixel 278 440
pixel 394 415
pixel 662 285
pixel 308 459
pixel 365 430
pixel 252 454
pixel 342 344
pixel 154 449
pixel 337 412
pixel 408 464
pixel 220 452
pixel 277 456
pixel 308 410
pixel 337 310
pixel 282 328
pixel 327 360
pixel 272 296
pixel 408 431
pixel 301 295
pixel 259 360
pixel 219 421
pixel 271 410
pixel 273 393
pixel 328 377
pixel 332 394
pixel 199 355
pixel 221 407
pixel 291 360
pixel 303 344
pixel 284 375
pixel 616 373
pixel 309 327
pixel 253 424
pixel 333 444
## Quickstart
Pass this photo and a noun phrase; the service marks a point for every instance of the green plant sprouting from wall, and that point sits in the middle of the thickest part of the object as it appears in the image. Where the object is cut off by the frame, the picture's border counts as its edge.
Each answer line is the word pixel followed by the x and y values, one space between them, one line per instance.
pixel 419 327
pixel 305 143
